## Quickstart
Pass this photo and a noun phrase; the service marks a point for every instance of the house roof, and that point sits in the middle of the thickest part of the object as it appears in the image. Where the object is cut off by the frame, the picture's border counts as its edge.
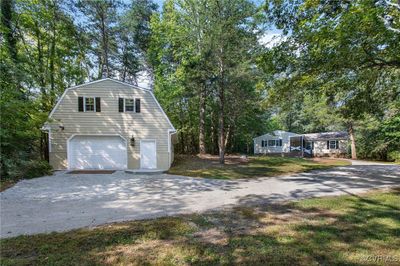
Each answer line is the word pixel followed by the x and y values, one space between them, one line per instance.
pixel 276 133
pixel 326 135
pixel 45 127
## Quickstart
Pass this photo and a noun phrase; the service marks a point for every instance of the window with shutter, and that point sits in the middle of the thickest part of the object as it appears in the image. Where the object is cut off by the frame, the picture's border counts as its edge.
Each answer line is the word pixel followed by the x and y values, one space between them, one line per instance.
pixel 129 105
pixel 332 144
pixel 89 104
pixel 262 143
pixel 271 143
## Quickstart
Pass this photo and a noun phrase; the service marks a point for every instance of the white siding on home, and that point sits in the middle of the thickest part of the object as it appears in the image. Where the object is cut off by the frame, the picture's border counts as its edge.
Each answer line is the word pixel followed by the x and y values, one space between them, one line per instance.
pixel 150 123
pixel 278 134
pixel 321 148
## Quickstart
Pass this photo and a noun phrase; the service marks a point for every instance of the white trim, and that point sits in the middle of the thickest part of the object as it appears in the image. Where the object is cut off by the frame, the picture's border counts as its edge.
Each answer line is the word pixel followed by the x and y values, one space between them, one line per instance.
pixel 90 83
pixel 74 135
pixel 49 141
pixel 329 146
pixel 170 132
pixel 140 151
pixel 134 104
pixel 94 104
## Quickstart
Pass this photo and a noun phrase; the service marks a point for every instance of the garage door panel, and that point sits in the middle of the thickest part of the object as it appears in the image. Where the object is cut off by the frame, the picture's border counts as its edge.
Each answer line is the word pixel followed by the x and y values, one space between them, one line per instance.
pixel 98 152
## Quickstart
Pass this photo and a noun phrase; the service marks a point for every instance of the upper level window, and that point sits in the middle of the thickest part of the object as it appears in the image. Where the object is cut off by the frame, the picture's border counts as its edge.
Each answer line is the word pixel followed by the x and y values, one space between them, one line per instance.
pixel 90 104
pixel 129 105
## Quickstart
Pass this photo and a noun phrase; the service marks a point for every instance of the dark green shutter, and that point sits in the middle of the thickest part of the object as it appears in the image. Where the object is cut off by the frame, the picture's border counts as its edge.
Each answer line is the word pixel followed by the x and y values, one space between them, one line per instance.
pixel 262 143
pixel 98 104
pixel 121 105
pixel 137 105
pixel 80 104
pixel 337 144
pixel 327 144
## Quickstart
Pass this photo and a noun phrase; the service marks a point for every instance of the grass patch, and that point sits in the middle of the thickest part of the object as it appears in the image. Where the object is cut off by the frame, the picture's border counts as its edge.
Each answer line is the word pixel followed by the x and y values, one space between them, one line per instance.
pixel 346 230
pixel 257 166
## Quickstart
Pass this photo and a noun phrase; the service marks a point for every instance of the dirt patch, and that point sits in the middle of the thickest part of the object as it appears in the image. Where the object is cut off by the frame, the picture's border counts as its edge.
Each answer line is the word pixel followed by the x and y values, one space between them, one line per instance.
pixel 91 172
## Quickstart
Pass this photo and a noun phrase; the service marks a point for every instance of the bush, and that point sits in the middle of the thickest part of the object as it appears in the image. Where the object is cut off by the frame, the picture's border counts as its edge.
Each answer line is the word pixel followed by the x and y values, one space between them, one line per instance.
pixel 394 156
pixel 13 169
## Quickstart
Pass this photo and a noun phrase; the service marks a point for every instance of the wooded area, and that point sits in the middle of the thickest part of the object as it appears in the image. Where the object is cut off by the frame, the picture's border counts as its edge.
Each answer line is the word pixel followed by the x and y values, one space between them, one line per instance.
pixel 336 66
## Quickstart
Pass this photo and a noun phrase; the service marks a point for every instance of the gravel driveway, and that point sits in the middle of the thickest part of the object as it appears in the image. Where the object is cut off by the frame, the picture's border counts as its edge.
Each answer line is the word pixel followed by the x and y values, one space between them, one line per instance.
pixel 64 201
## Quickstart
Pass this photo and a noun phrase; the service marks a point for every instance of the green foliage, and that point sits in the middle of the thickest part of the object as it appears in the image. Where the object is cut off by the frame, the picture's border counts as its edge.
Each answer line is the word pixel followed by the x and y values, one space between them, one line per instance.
pixel 17 169
pixel 345 57
pixel 199 49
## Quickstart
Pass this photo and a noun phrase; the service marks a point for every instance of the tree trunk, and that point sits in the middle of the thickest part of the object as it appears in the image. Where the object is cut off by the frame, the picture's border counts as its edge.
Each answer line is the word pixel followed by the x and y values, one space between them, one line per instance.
pixel 202 117
pixel 104 47
pixel 221 125
pixel 52 57
pixel 353 142
pixel 7 10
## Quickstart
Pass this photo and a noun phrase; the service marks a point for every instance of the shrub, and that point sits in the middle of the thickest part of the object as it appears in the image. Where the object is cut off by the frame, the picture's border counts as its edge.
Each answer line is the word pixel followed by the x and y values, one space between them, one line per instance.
pixel 13 169
pixel 394 156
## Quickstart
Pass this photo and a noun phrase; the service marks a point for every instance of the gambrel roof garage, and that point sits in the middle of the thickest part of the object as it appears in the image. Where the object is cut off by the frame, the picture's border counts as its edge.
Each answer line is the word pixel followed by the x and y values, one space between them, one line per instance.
pixel 108 124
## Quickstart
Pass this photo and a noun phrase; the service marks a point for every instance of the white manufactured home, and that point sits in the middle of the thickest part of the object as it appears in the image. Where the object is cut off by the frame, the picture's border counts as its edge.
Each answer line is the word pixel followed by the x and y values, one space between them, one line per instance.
pixel 108 124
pixel 313 144
pixel 277 141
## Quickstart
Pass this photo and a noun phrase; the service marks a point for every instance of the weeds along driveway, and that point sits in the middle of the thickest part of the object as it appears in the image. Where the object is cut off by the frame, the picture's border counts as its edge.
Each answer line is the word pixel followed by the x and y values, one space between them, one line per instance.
pixel 64 201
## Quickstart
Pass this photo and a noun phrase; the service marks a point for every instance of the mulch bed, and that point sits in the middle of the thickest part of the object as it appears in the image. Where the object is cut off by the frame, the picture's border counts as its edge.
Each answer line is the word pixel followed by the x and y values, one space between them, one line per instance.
pixel 91 172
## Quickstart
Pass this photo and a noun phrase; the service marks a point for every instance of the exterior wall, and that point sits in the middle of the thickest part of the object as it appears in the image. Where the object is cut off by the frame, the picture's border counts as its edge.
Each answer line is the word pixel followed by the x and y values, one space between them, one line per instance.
pixel 320 149
pixel 285 136
pixel 150 123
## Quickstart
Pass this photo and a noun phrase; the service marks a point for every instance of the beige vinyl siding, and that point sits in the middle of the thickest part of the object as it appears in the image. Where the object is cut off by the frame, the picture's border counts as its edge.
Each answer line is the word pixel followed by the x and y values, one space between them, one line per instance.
pixel 150 123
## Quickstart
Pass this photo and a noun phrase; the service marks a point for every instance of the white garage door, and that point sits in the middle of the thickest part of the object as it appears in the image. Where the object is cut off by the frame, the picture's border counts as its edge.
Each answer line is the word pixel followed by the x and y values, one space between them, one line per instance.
pixel 97 152
pixel 148 155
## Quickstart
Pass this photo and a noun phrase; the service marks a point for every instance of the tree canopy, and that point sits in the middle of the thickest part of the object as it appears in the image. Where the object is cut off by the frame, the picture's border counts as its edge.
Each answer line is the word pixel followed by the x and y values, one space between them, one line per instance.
pixel 336 67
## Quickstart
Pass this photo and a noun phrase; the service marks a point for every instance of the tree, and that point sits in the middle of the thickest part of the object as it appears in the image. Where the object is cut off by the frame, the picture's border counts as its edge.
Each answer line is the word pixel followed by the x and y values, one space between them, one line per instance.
pixel 40 56
pixel 204 54
pixel 350 56
pixel 101 28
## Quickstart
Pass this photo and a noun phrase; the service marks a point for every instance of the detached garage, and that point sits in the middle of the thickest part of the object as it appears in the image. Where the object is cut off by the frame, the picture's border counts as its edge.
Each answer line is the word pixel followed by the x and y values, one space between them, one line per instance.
pixel 97 152
pixel 111 125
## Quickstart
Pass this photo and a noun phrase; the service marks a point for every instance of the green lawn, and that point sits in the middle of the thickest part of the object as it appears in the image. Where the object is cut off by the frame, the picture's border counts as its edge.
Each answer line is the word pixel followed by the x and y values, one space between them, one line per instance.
pixel 346 230
pixel 235 168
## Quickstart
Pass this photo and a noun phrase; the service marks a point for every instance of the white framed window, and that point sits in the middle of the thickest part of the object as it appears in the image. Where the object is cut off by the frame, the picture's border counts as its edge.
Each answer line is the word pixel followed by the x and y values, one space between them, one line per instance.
pixel 129 105
pixel 279 142
pixel 89 104
pixel 271 143
pixel 333 145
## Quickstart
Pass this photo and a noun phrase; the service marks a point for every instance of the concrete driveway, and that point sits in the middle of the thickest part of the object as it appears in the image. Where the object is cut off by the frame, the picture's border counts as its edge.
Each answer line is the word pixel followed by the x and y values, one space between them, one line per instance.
pixel 64 201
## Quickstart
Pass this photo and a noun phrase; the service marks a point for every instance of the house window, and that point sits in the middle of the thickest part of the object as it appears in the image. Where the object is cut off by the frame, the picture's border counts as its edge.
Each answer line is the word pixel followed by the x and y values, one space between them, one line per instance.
pixel 129 105
pixel 279 142
pixel 333 144
pixel 90 104
pixel 272 143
